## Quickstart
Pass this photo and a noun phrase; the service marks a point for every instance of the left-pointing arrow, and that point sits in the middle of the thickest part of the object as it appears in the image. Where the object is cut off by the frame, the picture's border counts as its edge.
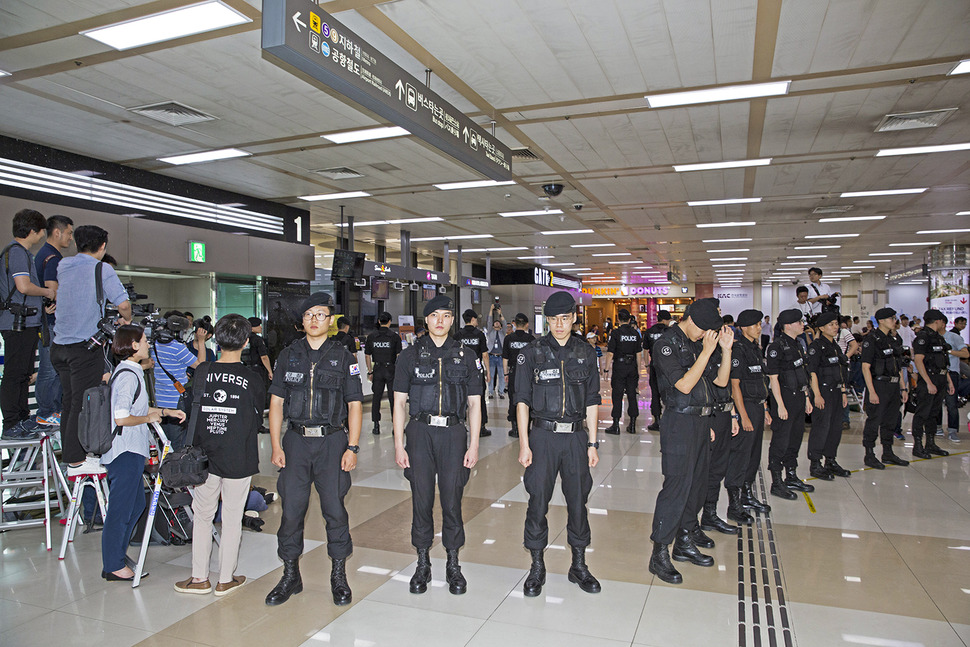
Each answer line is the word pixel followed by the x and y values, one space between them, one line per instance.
pixel 297 22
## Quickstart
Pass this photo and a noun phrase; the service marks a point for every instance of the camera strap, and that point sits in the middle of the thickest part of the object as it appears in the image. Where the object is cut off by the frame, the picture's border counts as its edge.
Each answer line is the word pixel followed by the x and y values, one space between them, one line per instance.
pixel 158 360
pixel 99 287
pixel 13 287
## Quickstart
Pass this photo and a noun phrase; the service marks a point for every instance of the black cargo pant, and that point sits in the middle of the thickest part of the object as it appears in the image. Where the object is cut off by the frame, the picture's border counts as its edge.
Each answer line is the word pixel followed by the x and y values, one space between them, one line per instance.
pixel 786 435
pixel 826 432
pixel 313 461
pixel 624 380
pixel 79 370
pixel 882 418
pixel 721 454
pixel 684 450
pixel 381 379
pixel 928 407
pixel 745 469
pixel 555 455
pixel 655 407
pixel 436 454
pixel 19 349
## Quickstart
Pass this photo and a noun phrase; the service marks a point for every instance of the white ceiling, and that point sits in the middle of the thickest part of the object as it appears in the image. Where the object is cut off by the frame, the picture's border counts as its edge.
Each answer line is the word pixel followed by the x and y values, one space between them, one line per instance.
pixel 565 78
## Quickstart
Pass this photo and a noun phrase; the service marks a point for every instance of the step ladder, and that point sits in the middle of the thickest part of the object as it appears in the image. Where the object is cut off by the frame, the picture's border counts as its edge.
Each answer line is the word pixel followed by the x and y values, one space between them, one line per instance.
pixel 31 471
pixel 99 483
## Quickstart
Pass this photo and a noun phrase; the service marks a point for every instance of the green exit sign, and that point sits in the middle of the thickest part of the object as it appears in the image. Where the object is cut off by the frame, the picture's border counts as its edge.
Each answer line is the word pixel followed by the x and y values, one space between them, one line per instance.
pixel 196 251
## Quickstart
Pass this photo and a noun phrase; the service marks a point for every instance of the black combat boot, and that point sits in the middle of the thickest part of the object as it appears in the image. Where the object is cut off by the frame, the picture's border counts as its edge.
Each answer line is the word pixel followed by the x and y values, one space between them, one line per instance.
pixel 661 566
pixel 817 470
pixel 614 429
pixel 918 450
pixel 795 483
pixel 579 573
pixel 338 583
pixel 422 573
pixel 700 539
pixel 290 584
pixel 837 470
pixel 779 488
pixel 890 458
pixel 710 520
pixel 654 426
pixel 632 427
pixel 736 511
pixel 871 460
pixel 514 432
pixel 537 575
pixel 484 433
pixel 933 448
pixel 748 500
pixel 377 428
pixel 685 550
pixel 456 581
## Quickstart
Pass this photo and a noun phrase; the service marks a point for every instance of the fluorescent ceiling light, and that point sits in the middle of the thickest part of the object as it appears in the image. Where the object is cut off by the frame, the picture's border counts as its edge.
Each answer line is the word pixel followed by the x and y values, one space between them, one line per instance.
pixel 852 218
pixel 724 251
pixel 798 263
pixel 167 25
pixel 622 262
pixel 712 95
pixel 820 247
pixel 336 196
pixel 559 265
pixel 399 221
pixel 731 258
pixel 852 272
pixel 963 213
pixel 713 166
pixel 4 73
pixel 533 258
pixel 520 214
pixel 566 231
pixel 963 67
pixel 594 245
pixel 205 156
pixel 891 254
pixel 614 254
pixel 488 249
pixel 726 224
pixel 366 135
pixel 860 267
pixel 727 240
pixel 867 194
pixel 833 236
pixel 943 231
pixel 474 184
pixel 932 242
pixel 808 256
pixel 919 150
pixel 710 203
pixel 730 265
pixel 578 269
pixel 464 237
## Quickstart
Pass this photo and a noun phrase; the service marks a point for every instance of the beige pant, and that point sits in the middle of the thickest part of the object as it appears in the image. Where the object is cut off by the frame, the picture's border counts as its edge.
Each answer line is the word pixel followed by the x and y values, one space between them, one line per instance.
pixel 205 501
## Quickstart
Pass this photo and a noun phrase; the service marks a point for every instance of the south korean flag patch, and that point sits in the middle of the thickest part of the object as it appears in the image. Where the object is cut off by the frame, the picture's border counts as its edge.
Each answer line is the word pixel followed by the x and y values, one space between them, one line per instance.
pixel 355 369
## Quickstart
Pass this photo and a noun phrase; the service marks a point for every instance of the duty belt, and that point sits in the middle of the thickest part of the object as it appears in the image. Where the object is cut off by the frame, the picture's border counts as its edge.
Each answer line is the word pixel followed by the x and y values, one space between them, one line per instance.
pixel 694 411
pixel 436 421
pixel 724 406
pixel 888 378
pixel 625 359
pixel 315 432
pixel 383 363
pixel 803 389
pixel 834 385
pixel 557 427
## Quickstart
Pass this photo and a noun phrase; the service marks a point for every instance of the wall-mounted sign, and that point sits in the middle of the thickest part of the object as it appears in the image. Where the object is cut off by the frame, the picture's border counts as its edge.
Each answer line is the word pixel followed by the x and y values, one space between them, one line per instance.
pixel 628 291
pixel 427 276
pixel 385 270
pixel 550 279
pixel 196 251
pixel 298 34
pixel 476 283
pixel 909 273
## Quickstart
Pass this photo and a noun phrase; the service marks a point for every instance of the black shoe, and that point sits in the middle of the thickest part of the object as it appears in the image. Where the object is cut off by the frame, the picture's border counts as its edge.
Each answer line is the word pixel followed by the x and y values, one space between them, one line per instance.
pixel 710 521
pixel 631 428
pixel 422 573
pixel 653 426
pixel 536 577
pixel 614 429
pixel 484 433
pixel 778 487
pixel 338 583
pixel 933 448
pixel 918 450
pixel 290 584
pixel 736 511
pixel 263 429
pixel 513 433
pixel 377 429
pixel 661 566
pixel 686 551
pixel 889 458
pixel 871 461
pixel 749 501
pixel 795 483
pixel 579 572
pixel 818 471
pixel 456 581
pixel 700 539
pixel 837 470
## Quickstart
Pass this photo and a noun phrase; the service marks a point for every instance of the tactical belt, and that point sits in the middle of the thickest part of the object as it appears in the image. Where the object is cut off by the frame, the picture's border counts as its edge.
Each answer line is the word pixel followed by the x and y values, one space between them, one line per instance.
pixel 383 363
pixel 887 378
pixel 759 401
pixel 625 359
pixel 802 389
pixel 724 406
pixel 557 427
pixel 693 411
pixel 315 432
pixel 834 385
pixel 436 421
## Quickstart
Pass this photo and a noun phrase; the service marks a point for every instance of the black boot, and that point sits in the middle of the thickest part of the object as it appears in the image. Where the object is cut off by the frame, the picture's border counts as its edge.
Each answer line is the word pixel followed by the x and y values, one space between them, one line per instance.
pixel 710 520
pixel 748 500
pixel 818 471
pixel 290 584
pixel 456 581
pixel 871 461
pixel 685 550
pixel 890 458
pixel 377 428
pixel 484 433
pixel 918 450
pixel 736 511
pixel 795 483
pixel 422 573
pixel 700 539
pixel 338 583
pixel 579 573
pixel 632 427
pixel 661 566
pixel 614 429
pixel 514 432
pixel 537 575
pixel 654 426
pixel 778 487
pixel 933 448
pixel 837 470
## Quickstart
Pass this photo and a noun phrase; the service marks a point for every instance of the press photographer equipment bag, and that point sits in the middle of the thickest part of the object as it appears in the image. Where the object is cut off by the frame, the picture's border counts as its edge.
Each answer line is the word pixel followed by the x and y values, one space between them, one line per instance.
pixel 96 428
pixel 189 466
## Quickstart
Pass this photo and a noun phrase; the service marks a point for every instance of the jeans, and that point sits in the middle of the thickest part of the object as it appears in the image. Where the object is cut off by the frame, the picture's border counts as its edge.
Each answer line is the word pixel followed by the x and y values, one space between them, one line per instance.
pixel 48 389
pixel 18 351
pixel 495 369
pixel 952 410
pixel 126 501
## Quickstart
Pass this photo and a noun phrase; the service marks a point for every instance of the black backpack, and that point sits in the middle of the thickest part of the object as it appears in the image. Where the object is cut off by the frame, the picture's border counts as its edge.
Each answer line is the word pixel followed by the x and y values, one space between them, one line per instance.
pixel 96 428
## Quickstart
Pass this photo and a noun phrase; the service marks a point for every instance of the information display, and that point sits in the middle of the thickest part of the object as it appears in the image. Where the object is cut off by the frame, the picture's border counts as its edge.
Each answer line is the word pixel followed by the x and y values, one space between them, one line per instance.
pixel 347 264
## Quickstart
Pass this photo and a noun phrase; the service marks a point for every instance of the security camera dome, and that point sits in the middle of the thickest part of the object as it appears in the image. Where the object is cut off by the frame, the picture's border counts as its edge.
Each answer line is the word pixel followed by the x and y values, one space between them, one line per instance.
pixel 553 189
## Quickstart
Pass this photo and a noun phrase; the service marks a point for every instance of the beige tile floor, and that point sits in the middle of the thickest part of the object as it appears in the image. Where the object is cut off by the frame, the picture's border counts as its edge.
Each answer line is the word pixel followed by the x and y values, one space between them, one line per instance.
pixel 881 558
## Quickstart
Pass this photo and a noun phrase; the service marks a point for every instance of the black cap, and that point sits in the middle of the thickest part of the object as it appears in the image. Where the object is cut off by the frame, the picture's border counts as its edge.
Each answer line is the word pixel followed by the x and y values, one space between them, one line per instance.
pixel 885 313
pixel 714 300
pixel 704 315
pixel 520 318
pixel 559 303
pixel 317 299
pixel 749 318
pixel 790 316
pixel 256 321
pixel 825 318
pixel 663 315
pixel 932 315
pixel 440 302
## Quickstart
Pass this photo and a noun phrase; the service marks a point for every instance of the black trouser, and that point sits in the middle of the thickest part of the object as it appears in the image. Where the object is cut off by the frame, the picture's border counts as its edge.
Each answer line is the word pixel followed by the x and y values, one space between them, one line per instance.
pixel 510 381
pixel 745 448
pixel 928 407
pixel 436 453
pixel 19 349
pixel 484 408
pixel 79 369
pixel 826 432
pixel 684 455
pixel 952 408
pixel 655 407
pixel 786 435
pixel 382 378
pixel 624 381
pixel 313 461
pixel 882 418
pixel 720 454
pixel 564 455
pixel 765 340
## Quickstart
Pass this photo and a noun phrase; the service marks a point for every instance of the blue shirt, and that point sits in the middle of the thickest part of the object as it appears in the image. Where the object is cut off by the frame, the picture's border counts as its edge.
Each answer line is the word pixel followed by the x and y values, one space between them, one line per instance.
pixel 78 312
pixel 956 342
pixel 21 263
pixel 175 357
pixel 46 262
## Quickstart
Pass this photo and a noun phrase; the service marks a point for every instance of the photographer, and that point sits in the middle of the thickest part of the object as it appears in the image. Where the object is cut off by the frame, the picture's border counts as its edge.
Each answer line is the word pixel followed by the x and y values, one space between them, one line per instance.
pixel 205 323
pixel 60 235
pixel 172 360
pixel 79 366
pixel 20 322
pixel 824 299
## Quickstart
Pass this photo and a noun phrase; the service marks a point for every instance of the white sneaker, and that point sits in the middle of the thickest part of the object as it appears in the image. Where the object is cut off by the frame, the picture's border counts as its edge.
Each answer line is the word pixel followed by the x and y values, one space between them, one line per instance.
pixel 91 465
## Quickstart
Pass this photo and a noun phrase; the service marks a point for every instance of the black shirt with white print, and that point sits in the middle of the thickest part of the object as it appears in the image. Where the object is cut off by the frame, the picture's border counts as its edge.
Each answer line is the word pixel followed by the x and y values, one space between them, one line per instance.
pixel 230 415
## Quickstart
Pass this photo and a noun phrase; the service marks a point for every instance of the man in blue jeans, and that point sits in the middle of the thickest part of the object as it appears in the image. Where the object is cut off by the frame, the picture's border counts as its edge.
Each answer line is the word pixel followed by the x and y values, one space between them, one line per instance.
pixel 60 235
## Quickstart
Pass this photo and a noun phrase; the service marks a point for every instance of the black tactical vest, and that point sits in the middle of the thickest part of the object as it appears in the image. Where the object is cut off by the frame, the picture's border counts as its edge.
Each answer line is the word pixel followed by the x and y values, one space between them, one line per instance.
pixel 753 379
pixel 559 385
pixel 686 352
pixel 438 383
pixel 833 365
pixel 936 358
pixel 517 341
pixel 626 343
pixel 721 394
pixel 793 374
pixel 382 346
pixel 314 392
pixel 888 356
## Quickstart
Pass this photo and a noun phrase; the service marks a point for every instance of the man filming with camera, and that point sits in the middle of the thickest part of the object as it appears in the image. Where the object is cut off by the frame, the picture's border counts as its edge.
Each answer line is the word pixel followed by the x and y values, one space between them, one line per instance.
pixel 821 293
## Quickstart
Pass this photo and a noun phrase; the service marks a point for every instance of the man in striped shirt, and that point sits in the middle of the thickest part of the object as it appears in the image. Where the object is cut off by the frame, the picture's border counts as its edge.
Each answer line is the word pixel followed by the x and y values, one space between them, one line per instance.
pixel 174 357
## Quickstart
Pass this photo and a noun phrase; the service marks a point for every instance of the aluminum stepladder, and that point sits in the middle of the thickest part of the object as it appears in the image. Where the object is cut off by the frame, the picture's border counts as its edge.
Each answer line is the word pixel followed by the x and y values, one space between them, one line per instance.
pixel 23 476
pixel 97 481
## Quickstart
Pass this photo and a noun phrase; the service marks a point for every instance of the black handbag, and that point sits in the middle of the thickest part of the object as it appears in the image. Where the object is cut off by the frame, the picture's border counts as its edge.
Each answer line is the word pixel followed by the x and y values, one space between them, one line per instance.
pixel 189 466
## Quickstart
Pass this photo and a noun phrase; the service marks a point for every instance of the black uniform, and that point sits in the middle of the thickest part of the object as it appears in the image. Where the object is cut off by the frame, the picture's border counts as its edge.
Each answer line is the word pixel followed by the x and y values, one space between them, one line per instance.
pixel 438 382
pixel 558 383
pixel 474 340
pixel 827 361
pixel 748 366
pixel 935 351
pixel 510 353
pixel 383 345
pixel 625 343
pixel 649 339
pixel 316 386
pixel 884 355
pixel 348 340
pixel 253 356
pixel 786 360
pixel 721 448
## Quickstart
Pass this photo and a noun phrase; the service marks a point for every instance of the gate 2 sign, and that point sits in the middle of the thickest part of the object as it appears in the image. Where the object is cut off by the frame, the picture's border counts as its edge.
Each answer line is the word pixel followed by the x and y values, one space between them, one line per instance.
pixel 297 34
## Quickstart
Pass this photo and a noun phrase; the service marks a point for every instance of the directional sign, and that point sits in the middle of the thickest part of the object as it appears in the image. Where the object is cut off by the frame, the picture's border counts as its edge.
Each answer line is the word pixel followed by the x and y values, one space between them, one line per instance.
pixel 297 33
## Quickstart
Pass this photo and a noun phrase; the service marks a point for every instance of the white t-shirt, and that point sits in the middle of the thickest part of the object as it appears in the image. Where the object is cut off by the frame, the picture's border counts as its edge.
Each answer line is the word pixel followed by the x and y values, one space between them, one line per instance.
pixel 823 288
pixel 808 309
pixel 907 335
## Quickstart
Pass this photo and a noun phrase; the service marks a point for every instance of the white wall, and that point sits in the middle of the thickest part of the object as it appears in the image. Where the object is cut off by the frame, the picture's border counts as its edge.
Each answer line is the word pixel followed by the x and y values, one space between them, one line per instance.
pixel 909 299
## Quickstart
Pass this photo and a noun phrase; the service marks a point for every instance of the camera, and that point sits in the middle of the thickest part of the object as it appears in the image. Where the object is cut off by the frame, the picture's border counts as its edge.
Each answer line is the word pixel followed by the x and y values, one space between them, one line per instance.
pixel 552 189
pixel 20 313
pixel 831 304
pixel 107 328
pixel 578 206
pixel 163 330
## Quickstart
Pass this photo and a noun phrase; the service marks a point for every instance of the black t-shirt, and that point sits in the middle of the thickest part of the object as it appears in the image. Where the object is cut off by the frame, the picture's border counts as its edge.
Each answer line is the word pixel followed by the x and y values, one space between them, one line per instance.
pixel 347 340
pixel 625 341
pixel 256 351
pixel 383 345
pixel 514 343
pixel 230 415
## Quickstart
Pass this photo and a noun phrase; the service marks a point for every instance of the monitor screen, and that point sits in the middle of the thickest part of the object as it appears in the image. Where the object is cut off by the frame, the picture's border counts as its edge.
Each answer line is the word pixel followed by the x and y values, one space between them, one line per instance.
pixel 347 264
pixel 476 296
pixel 379 289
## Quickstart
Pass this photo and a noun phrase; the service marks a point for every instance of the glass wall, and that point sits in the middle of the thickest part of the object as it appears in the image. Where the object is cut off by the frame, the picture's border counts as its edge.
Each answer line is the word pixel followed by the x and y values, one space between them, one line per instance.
pixel 237 296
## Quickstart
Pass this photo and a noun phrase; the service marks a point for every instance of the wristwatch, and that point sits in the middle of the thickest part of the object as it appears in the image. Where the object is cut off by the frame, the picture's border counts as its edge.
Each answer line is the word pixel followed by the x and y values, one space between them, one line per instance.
pixel 595 445
pixel 353 448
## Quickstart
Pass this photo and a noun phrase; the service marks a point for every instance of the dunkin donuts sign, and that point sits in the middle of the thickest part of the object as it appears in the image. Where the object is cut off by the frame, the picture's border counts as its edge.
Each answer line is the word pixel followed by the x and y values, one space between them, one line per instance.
pixel 629 291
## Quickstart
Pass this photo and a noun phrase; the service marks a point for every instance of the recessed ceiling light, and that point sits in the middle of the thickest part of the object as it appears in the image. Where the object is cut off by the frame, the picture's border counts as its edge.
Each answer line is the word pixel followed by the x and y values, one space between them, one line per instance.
pixel 713 166
pixel 852 218
pixel 399 221
pixel 563 232
pixel 712 95
pixel 833 236
pixel 963 67
pixel 725 251
pixel 852 272
pixel 559 265
pixel 809 256
pixel 820 247
pixel 520 214
pixel 622 262
pixel 463 237
pixel 711 203
pixel 367 134
pixel 798 263
pixel 488 249
pixel 337 196
pixel 919 150
pixel 577 269
pixel 891 254
pixel 963 213
pixel 867 194
pixel 943 231
pixel 929 242
pixel 614 254
pixel 594 245
pixel 205 156
pixel 731 258
pixel 167 25
pixel 730 265
pixel 860 267
pixel 727 240
pixel 533 258
pixel 4 73
pixel 475 184
pixel 726 224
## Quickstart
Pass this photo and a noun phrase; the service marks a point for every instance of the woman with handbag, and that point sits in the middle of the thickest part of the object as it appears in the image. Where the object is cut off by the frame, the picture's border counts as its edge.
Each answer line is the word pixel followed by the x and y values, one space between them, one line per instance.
pixel 125 461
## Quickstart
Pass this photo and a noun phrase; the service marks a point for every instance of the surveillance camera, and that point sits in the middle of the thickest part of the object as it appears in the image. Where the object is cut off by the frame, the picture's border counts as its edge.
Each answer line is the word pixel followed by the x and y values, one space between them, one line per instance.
pixel 553 189
pixel 578 206
pixel 794 281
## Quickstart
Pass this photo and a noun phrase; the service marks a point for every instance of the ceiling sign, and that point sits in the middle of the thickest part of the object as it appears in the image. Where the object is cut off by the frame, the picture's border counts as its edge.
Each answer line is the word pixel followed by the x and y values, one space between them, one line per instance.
pixel 298 34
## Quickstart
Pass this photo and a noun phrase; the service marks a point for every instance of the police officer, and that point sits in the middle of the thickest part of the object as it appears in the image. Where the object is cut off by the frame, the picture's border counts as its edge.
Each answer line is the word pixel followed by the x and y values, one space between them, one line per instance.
pixel 514 343
pixel 558 388
pixel 931 357
pixel 788 377
pixel 316 386
pixel 886 390
pixel 474 339
pixel 749 390
pixel 649 339
pixel 380 352
pixel 440 377
pixel 344 337
pixel 624 347
pixel 828 368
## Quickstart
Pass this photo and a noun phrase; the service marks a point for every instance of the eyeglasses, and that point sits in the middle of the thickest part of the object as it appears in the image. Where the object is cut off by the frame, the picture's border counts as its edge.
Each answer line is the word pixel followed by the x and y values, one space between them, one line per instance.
pixel 319 316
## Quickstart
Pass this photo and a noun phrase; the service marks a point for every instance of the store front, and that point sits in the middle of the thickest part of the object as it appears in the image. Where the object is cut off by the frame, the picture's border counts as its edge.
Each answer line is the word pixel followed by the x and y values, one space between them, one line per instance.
pixel 642 300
